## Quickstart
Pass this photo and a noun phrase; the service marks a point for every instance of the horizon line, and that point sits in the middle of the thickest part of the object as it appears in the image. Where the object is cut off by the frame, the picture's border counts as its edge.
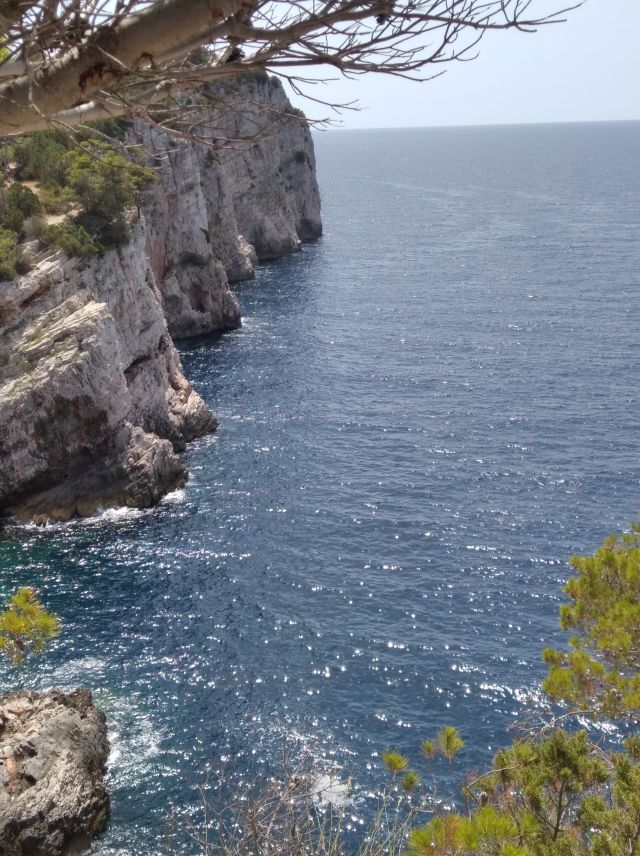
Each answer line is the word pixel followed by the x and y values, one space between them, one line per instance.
pixel 480 125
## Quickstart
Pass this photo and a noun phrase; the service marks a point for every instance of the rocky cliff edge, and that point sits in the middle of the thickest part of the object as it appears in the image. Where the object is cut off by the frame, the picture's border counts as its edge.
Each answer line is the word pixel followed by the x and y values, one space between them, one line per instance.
pixel 94 406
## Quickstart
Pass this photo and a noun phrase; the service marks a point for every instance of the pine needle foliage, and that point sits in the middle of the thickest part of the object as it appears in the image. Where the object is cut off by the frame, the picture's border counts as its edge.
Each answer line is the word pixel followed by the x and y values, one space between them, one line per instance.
pixel 600 674
pixel 449 742
pixel 95 185
pixel 26 626
pixel 556 792
pixel 394 762
pixel 410 781
pixel 429 749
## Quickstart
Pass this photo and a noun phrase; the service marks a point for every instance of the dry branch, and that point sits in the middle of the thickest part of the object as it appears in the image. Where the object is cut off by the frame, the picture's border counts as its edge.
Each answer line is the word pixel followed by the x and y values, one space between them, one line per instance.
pixel 67 61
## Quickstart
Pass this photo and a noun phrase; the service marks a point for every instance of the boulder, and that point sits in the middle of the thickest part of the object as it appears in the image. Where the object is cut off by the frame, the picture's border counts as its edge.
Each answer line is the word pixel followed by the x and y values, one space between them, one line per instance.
pixel 53 750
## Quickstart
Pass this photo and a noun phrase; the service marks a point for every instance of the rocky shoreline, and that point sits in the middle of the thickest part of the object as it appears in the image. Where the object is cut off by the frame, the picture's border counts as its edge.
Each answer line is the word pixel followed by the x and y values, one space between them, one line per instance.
pixel 53 751
pixel 94 406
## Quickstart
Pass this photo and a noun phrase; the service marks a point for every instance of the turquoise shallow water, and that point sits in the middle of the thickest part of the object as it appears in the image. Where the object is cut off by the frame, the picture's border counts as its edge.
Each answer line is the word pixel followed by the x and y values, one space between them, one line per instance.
pixel 423 415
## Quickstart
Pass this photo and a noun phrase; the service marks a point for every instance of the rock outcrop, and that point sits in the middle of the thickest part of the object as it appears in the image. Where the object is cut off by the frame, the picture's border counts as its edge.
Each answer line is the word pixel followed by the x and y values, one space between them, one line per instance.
pixel 93 402
pixel 53 750
pixel 248 193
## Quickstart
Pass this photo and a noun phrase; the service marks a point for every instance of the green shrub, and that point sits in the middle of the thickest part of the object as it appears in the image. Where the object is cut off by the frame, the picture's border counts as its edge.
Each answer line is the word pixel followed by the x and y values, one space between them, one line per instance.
pixel 55 200
pixel 7 271
pixel 12 259
pixel 40 156
pixel 92 177
pixel 25 626
pixel 114 233
pixel 17 202
pixel 23 198
pixel 103 182
pixel 12 219
pixel 34 226
pixel 72 238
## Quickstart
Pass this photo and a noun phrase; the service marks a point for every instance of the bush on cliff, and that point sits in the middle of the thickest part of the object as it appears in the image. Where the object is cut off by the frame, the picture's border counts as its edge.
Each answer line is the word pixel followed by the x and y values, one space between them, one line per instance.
pixel 12 258
pixel 23 198
pixel 17 203
pixel 106 185
pixel 91 181
pixel 39 157
pixel 70 237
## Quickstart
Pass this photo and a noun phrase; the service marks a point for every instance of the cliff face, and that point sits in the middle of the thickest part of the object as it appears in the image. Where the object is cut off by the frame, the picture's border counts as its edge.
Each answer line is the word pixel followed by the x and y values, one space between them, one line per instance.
pixel 93 401
pixel 217 210
pixel 53 750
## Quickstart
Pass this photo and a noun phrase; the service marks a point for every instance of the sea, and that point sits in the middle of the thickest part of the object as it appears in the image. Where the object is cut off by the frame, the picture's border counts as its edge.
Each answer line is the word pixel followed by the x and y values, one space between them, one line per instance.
pixel 424 415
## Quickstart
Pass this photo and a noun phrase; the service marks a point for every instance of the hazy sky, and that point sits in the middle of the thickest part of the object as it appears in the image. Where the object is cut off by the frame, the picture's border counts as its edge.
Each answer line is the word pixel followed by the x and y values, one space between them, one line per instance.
pixel 585 69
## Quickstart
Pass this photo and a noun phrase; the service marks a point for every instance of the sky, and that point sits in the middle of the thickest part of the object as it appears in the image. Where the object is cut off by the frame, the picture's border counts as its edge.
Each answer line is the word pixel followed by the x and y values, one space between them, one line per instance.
pixel 587 69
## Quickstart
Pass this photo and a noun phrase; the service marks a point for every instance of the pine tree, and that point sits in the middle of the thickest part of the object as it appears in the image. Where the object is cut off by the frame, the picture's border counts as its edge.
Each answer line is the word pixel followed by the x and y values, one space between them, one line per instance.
pixel 25 626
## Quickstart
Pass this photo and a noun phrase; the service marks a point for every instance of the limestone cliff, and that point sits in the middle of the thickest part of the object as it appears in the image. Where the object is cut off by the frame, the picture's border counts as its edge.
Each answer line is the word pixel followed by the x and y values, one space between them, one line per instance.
pixel 53 750
pixel 93 401
pixel 248 193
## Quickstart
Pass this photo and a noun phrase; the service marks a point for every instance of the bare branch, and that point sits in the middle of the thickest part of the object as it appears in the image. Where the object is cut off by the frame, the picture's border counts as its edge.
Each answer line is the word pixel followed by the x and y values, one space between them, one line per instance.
pixel 65 61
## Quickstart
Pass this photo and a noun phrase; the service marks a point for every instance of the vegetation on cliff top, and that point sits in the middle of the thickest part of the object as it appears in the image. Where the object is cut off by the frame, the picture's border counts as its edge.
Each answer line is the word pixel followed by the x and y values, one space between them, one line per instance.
pixel 74 196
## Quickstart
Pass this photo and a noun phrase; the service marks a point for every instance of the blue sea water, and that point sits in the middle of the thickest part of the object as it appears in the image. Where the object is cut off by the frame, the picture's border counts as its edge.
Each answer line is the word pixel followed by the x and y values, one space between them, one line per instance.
pixel 424 414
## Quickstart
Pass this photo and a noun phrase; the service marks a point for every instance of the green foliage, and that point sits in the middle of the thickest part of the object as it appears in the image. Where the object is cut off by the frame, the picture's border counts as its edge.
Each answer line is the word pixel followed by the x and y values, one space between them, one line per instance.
pixel 615 822
pixel 26 626
pixel 531 803
pixel 11 219
pixel 12 258
pixel 394 762
pixel 104 182
pixel 600 672
pixel 449 742
pixel 17 202
pixel 91 179
pixel 70 237
pixel 7 271
pixel 429 749
pixel 40 157
pixel 8 245
pixel 23 198
pixel 488 832
pixel 410 781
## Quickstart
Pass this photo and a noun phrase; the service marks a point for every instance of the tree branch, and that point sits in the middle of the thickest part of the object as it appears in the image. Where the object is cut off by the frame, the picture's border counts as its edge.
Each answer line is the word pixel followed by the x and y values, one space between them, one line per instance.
pixel 113 53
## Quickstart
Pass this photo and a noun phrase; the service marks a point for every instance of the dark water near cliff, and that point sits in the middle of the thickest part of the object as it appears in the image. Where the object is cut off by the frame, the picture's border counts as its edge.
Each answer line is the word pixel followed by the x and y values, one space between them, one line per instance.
pixel 424 414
